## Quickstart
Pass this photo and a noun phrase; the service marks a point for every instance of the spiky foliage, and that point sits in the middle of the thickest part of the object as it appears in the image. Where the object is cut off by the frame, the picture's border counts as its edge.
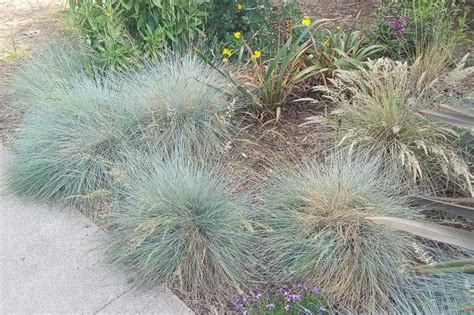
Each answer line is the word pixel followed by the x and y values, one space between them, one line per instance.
pixel 66 148
pixel 459 83
pixel 438 30
pixel 432 62
pixel 189 104
pixel 377 112
pixel 181 224
pixel 49 74
pixel 317 233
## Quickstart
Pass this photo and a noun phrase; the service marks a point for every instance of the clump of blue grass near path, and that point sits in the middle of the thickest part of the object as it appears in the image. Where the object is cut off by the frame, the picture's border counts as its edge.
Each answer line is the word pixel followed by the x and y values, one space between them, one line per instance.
pixel 189 104
pixel 317 233
pixel 181 224
pixel 65 149
pixel 48 74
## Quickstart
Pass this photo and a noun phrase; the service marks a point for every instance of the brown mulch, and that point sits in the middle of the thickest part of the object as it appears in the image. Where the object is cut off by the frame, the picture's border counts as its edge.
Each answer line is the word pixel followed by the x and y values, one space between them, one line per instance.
pixel 347 11
pixel 267 146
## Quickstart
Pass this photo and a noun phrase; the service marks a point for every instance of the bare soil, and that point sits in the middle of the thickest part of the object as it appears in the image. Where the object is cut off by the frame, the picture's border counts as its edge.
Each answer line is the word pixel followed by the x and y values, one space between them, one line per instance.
pixel 342 10
pixel 268 145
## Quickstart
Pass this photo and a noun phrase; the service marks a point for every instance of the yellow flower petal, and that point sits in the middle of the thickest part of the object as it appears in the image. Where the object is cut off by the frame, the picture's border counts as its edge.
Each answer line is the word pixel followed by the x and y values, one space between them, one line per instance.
pixel 256 54
pixel 227 52
pixel 237 35
pixel 306 21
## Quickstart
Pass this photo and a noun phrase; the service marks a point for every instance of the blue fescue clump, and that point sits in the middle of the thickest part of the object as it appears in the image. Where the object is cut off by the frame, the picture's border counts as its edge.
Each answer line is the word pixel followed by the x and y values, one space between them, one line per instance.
pixel 50 74
pixel 181 223
pixel 317 232
pixel 78 123
pixel 66 147
pixel 186 103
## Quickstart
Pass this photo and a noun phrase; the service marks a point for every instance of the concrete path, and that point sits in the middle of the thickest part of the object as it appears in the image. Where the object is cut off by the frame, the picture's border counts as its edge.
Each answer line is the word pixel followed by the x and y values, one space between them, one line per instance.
pixel 48 265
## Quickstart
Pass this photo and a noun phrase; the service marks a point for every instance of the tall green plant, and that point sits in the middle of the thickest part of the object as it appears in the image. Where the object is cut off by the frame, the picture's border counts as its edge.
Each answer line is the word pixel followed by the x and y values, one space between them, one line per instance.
pixel 339 49
pixel 308 54
pixel 103 29
pixel 123 31
pixel 409 27
pixel 264 24
pixel 171 21
pixel 277 77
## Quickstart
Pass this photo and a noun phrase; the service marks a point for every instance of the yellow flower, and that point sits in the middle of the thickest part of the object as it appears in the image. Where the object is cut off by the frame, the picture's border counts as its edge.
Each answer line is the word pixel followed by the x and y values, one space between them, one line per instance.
pixel 108 14
pixel 306 21
pixel 237 35
pixel 225 60
pixel 257 54
pixel 338 27
pixel 326 43
pixel 239 6
pixel 227 52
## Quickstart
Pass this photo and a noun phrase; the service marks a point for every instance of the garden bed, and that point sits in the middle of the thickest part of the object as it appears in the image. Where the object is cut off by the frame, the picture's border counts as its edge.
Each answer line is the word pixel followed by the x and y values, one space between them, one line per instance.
pixel 272 161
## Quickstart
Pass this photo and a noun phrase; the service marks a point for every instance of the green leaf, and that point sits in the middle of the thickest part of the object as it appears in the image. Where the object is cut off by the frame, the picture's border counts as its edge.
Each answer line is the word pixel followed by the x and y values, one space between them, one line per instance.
pixel 125 4
pixel 349 63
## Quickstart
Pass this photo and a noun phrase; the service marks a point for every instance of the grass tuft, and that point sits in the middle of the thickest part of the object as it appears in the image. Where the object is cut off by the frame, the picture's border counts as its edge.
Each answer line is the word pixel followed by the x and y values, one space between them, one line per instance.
pixel 376 112
pixel 182 225
pixel 187 103
pixel 66 148
pixel 77 125
pixel 48 74
pixel 317 234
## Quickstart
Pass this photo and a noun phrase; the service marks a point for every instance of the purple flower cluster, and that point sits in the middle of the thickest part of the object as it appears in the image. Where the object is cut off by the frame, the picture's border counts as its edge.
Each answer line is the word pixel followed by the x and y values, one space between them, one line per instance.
pixel 240 306
pixel 300 294
pixel 399 25
pixel 241 303
pixel 289 297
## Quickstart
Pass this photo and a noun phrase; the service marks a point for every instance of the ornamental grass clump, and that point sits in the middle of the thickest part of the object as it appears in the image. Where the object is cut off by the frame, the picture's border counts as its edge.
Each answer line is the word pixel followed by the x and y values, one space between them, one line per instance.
pixel 181 224
pixel 65 149
pixel 49 74
pixel 188 104
pixel 317 233
pixel 376 112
